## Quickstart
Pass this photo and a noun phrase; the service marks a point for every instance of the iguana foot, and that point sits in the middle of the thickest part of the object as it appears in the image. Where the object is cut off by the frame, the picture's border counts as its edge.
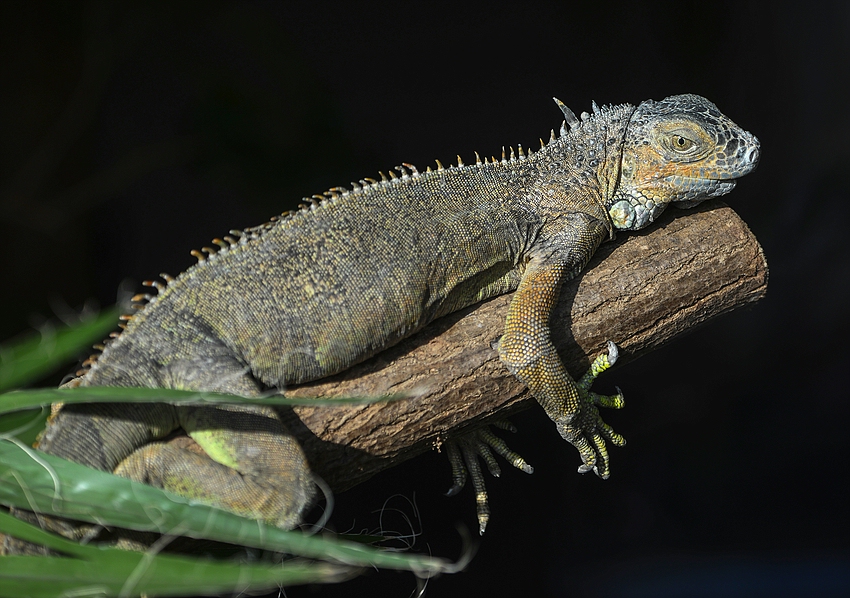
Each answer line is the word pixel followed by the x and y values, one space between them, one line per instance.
pixel 463 455
pixel 585 430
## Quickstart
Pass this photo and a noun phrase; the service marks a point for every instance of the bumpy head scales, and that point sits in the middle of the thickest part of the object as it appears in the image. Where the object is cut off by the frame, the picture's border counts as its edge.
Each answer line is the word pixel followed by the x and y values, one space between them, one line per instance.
pixel 681 149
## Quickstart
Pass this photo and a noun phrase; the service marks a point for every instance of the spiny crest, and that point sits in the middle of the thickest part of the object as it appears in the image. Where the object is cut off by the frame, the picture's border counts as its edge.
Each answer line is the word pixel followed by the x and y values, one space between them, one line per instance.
pixel 589 123
pixel 141 301
pixel 406 171
pixel 138 302
pixel 208 254
pixel 583 142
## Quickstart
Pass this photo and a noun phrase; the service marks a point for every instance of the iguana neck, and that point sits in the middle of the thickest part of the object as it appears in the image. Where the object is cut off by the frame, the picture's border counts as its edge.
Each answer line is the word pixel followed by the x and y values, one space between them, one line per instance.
pixel 586 160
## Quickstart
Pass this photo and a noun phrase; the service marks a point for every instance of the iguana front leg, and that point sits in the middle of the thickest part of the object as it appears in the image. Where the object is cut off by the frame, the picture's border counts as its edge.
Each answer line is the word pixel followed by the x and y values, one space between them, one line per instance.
pixel 527 349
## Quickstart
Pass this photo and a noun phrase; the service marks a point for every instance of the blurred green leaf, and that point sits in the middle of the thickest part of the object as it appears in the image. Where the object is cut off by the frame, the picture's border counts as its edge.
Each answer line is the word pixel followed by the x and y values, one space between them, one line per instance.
pixel 27 399
pixel 24 425
pixel 38 354
pixel 30 479
pixel 104 571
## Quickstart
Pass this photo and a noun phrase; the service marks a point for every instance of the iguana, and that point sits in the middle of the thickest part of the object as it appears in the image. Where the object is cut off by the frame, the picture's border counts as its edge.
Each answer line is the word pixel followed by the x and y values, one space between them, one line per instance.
pixel 353 271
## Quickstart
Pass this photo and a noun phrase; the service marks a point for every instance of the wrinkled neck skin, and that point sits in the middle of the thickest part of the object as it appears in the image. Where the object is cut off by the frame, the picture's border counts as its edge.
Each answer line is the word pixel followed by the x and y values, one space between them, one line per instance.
pixel 611 172
pixel 635 211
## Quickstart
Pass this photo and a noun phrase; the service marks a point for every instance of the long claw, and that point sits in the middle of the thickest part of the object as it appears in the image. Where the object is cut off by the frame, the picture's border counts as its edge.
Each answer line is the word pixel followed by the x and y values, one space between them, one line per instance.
pixel 610 435
pixel 482 502
pixel 599 365
pixel 482 449
pixel 613 353
pixel 504 424
pixel 575 436
pixel 601 468
pixel 617 401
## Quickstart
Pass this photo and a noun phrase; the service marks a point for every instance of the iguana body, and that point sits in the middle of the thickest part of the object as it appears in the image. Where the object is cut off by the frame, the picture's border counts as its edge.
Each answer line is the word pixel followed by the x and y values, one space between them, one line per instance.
pixel 323 288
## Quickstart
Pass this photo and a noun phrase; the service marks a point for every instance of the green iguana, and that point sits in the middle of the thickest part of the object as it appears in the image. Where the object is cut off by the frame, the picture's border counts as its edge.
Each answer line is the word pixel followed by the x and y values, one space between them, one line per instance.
pixel 353 271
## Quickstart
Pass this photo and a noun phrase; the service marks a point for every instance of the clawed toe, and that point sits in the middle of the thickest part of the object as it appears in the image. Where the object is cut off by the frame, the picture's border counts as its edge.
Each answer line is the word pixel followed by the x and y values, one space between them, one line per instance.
pixel 464 454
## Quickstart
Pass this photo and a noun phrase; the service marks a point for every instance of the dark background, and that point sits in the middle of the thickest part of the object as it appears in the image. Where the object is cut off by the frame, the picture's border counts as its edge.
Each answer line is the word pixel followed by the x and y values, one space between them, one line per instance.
pixel 132 135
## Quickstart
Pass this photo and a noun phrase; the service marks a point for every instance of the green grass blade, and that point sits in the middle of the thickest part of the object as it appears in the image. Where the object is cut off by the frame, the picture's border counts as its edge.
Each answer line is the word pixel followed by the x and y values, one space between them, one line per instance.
pixel 27 399
pixel 30 479
pixel 104 571
pixel 26 360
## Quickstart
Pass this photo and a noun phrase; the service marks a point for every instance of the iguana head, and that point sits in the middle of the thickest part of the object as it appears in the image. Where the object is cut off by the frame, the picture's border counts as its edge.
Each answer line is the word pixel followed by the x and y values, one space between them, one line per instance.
pixel 682 150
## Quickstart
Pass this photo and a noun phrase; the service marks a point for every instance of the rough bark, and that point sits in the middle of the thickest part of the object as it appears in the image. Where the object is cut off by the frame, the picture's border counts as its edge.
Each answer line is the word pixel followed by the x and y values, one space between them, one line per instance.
pixel 639 291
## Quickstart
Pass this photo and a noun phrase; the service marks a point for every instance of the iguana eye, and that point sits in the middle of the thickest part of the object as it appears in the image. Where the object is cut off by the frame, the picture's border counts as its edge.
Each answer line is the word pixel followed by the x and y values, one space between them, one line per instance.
pixel 682 144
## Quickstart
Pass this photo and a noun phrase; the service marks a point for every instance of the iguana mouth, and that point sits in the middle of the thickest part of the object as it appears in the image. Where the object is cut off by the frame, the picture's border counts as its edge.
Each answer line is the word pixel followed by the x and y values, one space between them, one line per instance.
pixel 701 186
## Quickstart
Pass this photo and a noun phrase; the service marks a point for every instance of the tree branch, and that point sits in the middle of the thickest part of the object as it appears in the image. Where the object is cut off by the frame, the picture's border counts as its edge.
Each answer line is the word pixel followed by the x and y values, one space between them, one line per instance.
pixel 639 291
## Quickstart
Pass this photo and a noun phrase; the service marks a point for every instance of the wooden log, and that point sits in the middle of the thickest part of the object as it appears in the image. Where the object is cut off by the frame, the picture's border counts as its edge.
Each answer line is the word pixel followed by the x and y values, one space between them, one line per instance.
pixel 640 291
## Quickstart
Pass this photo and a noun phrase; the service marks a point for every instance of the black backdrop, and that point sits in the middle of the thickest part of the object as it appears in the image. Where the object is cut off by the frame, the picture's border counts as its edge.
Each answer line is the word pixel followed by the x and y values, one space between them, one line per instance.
pixel 132 135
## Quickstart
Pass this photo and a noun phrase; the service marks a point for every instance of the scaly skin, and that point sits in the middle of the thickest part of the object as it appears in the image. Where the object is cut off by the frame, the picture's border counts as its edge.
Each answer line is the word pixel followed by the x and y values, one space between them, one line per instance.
pixel 314 292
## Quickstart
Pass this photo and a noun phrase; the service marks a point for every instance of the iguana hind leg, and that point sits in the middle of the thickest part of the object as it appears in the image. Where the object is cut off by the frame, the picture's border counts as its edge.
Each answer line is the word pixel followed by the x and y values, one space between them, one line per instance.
pixel 249 465
pixel 98 435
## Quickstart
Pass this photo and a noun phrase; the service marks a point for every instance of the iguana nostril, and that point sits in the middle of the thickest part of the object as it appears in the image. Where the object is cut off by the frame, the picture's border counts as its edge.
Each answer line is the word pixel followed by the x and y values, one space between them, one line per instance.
pixel 755 153
pixel 753 156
